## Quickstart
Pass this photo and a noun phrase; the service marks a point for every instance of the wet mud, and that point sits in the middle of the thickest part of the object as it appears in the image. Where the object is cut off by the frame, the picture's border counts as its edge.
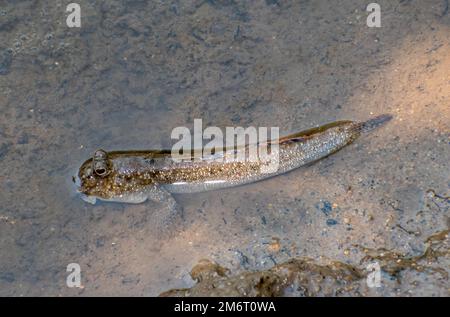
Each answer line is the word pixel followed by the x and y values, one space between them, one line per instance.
pixel 135 70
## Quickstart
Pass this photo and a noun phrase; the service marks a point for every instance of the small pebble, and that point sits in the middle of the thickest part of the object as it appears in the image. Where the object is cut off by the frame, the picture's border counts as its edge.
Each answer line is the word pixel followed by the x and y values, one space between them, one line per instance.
pixel 325 207
pixel 331 222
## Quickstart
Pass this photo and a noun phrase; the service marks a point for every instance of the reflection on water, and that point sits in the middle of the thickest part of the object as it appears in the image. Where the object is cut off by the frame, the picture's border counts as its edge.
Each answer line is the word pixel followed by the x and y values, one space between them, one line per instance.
pixel 136 70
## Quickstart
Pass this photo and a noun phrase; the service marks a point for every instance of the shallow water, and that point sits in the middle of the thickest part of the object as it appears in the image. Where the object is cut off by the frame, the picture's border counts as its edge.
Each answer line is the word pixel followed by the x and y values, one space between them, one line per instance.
pixel 135 71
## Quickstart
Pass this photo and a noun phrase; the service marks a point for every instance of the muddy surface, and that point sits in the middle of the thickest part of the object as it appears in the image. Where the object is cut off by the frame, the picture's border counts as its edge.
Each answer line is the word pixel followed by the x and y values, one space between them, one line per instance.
pixel 136 70
pixel 323 277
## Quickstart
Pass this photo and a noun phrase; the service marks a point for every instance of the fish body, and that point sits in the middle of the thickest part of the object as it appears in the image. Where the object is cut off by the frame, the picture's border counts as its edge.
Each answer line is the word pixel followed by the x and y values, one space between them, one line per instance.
pixel 135 176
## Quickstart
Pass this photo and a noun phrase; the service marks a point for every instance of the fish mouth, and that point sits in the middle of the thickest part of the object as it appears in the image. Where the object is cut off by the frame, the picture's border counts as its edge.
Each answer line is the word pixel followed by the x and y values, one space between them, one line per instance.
pixel 89 199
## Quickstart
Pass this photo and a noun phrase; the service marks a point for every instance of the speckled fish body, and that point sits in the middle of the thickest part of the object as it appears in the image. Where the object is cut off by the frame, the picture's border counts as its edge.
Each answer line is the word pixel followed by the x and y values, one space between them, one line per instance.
pixel 134 176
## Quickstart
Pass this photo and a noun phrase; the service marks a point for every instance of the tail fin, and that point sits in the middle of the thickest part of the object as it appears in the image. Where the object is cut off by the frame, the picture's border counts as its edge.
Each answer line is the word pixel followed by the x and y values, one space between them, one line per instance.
pixel 373 123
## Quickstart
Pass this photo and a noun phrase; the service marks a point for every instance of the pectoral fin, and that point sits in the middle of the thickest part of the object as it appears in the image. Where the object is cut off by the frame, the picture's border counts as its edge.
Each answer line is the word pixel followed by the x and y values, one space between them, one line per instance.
pixel 168 215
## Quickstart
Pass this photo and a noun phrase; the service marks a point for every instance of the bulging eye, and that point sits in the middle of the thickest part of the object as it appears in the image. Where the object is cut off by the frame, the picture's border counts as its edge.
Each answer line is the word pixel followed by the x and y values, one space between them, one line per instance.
pixel 100 155
pixel 101 168
pixel 100 172
pixel 100 163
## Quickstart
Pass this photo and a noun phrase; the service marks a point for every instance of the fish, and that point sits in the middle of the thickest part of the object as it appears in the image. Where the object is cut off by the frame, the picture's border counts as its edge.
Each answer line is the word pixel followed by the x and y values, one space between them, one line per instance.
pixel 136 176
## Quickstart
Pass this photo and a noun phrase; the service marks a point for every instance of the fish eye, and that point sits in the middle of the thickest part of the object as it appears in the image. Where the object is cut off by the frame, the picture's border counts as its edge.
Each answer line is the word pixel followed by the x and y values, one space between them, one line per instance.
pixel 101 168
pixel 100 163
pixel 100 155
pixel 100 171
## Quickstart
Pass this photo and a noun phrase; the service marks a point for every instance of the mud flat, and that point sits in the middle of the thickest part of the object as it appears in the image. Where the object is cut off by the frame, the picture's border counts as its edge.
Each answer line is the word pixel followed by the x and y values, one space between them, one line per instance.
pixel 135 70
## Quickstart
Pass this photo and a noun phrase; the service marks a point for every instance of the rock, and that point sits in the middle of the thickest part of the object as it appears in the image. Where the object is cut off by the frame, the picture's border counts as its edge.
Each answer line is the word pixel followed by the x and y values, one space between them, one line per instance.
pixel 325 207
pixel 331 222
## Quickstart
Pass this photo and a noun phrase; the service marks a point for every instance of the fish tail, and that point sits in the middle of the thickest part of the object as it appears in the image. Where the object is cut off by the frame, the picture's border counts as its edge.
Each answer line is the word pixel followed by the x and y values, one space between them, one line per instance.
pixel 373 123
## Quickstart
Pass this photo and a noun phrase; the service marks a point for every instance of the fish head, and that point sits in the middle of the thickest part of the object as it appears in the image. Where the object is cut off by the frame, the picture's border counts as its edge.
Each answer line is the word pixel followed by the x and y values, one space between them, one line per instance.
pixel 95 178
